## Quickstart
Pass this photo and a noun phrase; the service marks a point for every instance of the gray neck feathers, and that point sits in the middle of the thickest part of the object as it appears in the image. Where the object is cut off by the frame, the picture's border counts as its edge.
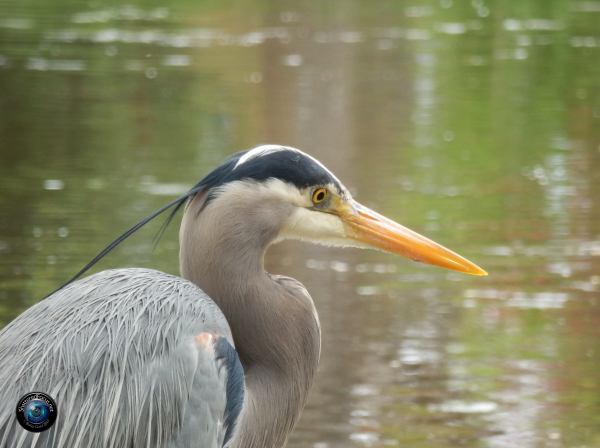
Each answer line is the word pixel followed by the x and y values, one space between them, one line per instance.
pixel 272 319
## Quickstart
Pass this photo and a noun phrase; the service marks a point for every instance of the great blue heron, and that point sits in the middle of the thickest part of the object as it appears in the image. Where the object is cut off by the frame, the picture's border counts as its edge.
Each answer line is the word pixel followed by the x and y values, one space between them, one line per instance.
pixel 139 358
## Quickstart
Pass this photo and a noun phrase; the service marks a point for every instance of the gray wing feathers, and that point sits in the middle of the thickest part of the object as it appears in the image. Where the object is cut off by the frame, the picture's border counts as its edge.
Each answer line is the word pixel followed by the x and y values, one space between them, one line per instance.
pixel 201 421
pixel 117 353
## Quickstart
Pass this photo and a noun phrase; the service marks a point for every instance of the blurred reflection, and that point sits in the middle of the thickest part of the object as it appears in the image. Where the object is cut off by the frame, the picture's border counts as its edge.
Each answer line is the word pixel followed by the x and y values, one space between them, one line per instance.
pixel 475 123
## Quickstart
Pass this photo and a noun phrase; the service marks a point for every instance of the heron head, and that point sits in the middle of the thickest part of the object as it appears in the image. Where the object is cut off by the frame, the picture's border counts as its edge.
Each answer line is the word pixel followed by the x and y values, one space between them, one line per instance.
pixel 318 208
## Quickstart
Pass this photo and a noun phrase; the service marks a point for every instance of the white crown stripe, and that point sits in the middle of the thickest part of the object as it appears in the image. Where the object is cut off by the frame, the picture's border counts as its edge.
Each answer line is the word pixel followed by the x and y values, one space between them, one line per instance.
pixel 260 151
pixel 264 150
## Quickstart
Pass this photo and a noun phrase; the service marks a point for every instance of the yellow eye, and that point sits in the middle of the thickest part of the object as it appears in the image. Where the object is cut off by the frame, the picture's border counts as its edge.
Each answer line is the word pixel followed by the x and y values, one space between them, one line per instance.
pixel 319 195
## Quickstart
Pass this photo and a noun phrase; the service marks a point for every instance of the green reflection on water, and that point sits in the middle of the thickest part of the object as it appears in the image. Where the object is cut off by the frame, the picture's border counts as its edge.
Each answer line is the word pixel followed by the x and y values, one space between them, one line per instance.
pixel 475 123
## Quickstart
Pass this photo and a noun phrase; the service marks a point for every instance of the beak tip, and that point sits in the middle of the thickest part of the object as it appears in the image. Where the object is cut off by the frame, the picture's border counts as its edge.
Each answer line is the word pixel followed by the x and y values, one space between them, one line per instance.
pixel 479 272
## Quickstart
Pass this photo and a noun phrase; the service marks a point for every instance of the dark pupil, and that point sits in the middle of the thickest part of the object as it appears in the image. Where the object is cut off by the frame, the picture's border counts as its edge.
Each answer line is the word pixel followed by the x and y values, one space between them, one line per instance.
pixel 320 196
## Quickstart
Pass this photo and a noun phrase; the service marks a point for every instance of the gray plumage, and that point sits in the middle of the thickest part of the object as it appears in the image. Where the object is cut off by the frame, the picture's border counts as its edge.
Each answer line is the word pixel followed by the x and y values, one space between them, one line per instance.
pixel 272 318
pixel 117 353
pixel 137 358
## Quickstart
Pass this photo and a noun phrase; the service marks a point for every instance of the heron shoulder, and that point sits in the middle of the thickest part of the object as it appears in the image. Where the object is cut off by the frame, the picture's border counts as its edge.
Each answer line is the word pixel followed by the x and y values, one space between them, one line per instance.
pixel 113 336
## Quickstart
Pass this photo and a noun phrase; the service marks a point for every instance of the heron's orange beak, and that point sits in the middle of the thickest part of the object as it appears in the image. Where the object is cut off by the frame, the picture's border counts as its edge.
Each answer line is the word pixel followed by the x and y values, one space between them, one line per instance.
pixel 371 228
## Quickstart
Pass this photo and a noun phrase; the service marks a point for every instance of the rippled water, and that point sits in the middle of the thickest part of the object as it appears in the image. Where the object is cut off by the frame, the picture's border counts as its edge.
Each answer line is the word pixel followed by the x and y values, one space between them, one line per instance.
pixel 475 123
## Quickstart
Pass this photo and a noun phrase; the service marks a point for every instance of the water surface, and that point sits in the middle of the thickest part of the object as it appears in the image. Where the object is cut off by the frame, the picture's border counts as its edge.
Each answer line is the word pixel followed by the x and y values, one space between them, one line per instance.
pixel 475 123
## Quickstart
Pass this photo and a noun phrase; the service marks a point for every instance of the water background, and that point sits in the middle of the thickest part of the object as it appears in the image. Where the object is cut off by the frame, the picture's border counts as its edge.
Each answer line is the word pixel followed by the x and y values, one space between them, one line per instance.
pixel 475 123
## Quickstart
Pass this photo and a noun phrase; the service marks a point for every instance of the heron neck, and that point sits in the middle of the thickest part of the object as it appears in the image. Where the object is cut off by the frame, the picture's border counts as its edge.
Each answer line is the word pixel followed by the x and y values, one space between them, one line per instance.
pixel 274 326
